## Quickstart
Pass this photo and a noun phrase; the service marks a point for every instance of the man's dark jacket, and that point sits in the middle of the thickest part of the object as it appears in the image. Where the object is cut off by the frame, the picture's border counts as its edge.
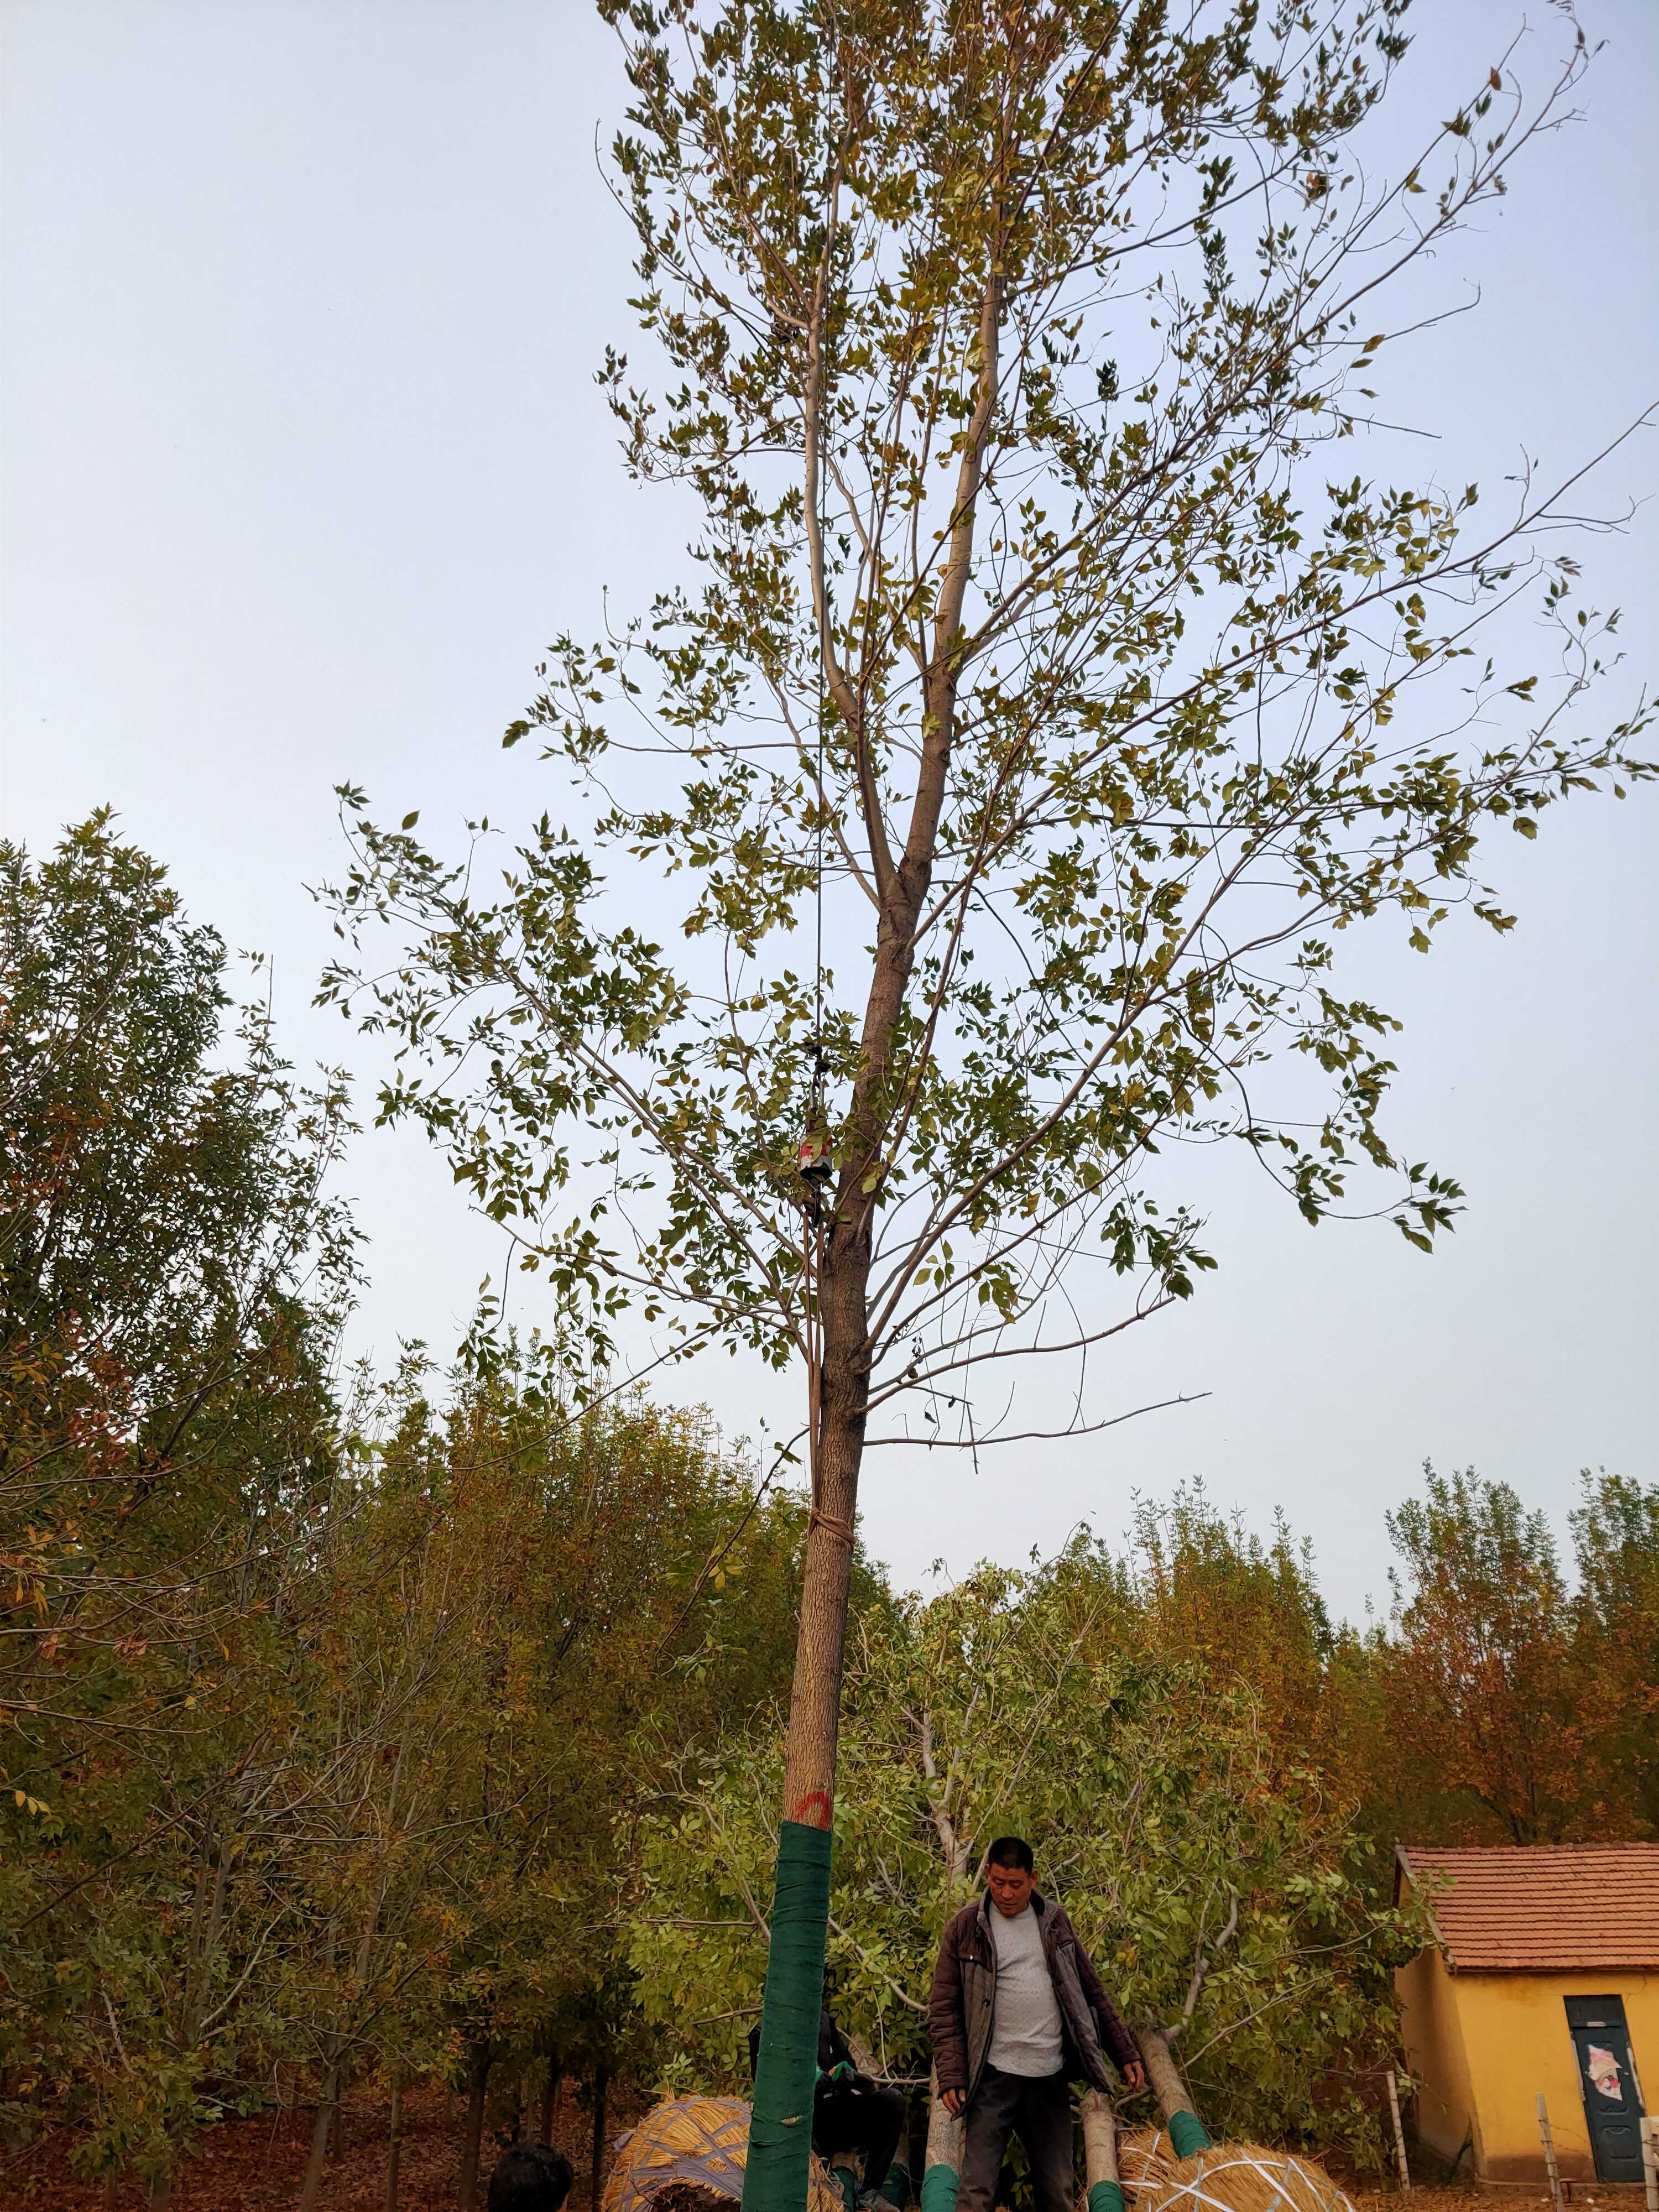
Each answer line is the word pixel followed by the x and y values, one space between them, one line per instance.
pixel 963 1998
pixel 834 2048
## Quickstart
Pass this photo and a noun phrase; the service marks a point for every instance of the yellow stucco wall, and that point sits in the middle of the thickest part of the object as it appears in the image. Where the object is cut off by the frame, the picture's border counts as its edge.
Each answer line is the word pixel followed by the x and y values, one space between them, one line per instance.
pixel 1434 2053
pixel 1483 2046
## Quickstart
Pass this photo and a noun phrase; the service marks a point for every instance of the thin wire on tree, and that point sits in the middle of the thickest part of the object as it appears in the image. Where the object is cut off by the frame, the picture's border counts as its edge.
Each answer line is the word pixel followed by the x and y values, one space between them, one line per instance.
pixel 817 1132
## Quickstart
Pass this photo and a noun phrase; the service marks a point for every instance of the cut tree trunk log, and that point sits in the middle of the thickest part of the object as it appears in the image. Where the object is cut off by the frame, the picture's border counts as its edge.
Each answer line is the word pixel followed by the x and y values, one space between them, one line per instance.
pixel 1186 2132
pixel 1162 2072
pixel 1099 2139
pixel 944 2132
pixel 1102 2186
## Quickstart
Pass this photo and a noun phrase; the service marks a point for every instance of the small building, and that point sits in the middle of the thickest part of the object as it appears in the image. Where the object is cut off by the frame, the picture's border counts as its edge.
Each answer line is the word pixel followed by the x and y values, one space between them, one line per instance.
pixel 1543 1976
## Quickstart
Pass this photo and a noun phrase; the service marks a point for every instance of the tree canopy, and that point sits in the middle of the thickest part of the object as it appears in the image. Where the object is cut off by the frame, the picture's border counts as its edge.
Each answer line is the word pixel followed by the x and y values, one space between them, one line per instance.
pixel 1057 651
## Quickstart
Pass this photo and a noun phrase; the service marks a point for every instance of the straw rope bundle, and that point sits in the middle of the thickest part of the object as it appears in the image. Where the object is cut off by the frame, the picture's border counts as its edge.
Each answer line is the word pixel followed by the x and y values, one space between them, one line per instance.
pixel 1144 2162
pixel 688 2155
pixel 1241 2176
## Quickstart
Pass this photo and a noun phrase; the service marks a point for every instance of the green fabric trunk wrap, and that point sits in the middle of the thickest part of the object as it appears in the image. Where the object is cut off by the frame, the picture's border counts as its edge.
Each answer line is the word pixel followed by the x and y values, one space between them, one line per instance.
pixel 1187 2133
pixel 938 2189
pixel 1106 2196
pixel 896 2188
pixel 774 2178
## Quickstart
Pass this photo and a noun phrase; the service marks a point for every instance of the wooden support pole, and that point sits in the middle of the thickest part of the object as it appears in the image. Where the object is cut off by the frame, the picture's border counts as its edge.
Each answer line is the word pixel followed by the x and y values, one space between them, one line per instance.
pixel 1650 2159
pixel 1550 2165
pixel 1399 2134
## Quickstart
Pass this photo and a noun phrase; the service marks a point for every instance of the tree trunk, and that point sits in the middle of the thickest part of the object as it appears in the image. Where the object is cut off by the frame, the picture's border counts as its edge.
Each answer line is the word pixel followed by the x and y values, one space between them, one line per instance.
pixel 394 2143
pixel 550 2099
pixel 601 2088
pixel 809 1775
pixel 780 2134
pixel 319 2135
pixel 479 2056
pixel 329 2120
pixel 779 2137
pixel 337 2135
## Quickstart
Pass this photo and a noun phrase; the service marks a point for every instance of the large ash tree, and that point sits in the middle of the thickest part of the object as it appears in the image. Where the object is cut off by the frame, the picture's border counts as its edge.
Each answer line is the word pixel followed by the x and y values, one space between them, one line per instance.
pixel 1043 618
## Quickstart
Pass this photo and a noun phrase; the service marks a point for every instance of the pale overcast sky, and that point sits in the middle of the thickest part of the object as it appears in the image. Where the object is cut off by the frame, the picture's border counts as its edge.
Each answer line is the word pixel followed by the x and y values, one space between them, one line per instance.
pixel 304 464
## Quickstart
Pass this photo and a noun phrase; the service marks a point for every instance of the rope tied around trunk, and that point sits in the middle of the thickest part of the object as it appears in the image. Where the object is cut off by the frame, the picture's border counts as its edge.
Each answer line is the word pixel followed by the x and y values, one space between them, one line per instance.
pixel 841 1529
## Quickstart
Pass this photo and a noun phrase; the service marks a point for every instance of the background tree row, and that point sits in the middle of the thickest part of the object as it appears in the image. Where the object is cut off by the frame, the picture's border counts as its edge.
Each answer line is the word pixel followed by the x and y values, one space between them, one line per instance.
pixel 361 1731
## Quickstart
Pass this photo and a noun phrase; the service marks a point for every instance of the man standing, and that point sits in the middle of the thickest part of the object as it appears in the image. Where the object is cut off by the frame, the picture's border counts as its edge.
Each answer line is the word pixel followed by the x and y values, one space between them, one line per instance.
pixel 1017 2014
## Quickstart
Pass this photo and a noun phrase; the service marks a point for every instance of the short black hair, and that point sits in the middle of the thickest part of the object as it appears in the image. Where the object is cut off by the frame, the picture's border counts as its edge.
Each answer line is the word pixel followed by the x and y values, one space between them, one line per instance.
pixel 530 2177
pixel 1012 1851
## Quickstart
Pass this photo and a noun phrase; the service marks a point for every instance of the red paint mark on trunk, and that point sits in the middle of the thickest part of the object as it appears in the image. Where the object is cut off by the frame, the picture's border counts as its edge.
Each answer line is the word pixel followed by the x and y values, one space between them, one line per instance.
pixel 813 1810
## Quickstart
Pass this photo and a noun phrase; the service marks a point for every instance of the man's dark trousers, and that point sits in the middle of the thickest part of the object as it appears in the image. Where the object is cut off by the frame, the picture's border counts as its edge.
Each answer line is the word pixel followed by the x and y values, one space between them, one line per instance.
pixel 859 2115
pixel 1037 2108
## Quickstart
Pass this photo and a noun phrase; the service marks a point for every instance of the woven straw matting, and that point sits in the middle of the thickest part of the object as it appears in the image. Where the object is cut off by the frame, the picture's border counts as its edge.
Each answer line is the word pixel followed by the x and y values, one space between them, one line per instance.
pixel 1144 2162
pixel 701 2142
pixel 1244 2177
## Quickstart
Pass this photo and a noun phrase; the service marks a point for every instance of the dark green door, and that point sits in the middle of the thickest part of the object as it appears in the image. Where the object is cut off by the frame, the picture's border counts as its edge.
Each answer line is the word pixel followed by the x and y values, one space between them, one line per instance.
pixel 1608 2082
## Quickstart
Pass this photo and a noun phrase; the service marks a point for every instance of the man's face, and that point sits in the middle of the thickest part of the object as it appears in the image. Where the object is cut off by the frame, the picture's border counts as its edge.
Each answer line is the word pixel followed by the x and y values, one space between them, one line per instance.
pixel 1011 1888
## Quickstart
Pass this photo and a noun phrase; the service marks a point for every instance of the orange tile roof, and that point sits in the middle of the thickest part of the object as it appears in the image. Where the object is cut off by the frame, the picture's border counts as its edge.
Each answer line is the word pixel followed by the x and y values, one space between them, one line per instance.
pixel 1541 1908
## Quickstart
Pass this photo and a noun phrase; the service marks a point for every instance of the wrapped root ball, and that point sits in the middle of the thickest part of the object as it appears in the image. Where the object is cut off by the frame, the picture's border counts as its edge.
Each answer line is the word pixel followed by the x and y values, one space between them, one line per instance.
pixel 688 2155
pixel 1239 2176
pixel 1144 2162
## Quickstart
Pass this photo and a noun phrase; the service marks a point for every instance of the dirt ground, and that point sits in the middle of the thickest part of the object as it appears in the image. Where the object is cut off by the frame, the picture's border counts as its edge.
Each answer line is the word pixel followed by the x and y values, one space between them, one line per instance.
pixel 257 2164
